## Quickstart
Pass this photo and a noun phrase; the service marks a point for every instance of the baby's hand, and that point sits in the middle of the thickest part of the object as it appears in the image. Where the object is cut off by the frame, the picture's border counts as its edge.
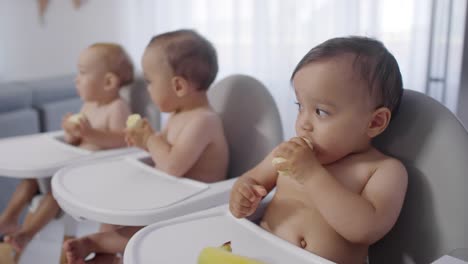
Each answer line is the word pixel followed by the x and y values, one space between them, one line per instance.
pixel 71 128
pixel 294 158
pixel 245 197
pixel 138 135
pixel 84 127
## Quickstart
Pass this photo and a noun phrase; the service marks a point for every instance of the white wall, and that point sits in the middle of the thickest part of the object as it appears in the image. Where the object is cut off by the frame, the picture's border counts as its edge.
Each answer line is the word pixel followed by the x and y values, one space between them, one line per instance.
pixel 30 49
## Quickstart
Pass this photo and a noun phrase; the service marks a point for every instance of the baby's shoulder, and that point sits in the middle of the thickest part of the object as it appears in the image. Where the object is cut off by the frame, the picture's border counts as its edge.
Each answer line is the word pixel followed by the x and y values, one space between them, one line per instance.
pixel 385 164
pixel 205 117
pixel 118 105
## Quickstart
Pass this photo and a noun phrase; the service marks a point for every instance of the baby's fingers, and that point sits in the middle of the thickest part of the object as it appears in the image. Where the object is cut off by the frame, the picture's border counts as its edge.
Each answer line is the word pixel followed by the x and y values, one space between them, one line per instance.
pixel 239 210
pixel 259 190
pixel 247 192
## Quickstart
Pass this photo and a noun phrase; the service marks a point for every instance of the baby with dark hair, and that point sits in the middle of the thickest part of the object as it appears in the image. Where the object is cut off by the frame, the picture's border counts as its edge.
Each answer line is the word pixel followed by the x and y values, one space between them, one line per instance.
pixel 336 194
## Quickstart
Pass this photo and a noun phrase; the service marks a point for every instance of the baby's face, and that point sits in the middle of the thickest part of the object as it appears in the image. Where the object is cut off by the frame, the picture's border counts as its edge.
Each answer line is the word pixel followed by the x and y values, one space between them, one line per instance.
pixel 90 78
pixel 335 108
pixel 158 76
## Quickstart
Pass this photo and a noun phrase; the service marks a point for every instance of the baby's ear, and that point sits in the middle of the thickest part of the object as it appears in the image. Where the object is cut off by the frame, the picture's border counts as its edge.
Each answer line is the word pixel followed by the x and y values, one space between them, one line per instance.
pixel 112 81
pixel 379 121
pixel 180 86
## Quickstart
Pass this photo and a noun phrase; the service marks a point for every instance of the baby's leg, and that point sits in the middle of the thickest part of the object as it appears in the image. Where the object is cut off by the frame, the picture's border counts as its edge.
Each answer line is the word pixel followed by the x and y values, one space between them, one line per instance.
pixel 23 194
pixel 34 222
pixel 108 227
pixel 111 242
pixel 105 259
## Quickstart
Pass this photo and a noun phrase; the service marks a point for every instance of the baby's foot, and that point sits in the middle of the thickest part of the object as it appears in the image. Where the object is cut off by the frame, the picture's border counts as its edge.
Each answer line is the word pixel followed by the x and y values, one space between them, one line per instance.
pixel 105 259
pixel 8 227
pixel 18 240
pixel 76 250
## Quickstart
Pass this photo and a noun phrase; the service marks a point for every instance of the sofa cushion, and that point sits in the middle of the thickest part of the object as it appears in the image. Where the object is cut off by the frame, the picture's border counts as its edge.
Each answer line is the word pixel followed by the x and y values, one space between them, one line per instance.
pixel 20 122
pixel 51 114
pixel 14 96
pixel 52 89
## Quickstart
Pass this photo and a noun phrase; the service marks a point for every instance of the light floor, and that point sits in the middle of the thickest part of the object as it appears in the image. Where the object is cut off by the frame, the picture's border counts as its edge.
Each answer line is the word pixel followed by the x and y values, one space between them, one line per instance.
pixel 6 256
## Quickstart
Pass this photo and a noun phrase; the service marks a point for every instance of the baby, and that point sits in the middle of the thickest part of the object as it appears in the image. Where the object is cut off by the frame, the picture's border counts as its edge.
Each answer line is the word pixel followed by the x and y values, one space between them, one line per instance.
pixel 179 67
pixel 103 69
pixel 337 195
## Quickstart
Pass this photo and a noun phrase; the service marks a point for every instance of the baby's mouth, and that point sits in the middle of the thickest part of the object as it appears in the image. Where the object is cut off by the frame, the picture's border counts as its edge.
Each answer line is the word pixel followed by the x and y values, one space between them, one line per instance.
pixel 309 143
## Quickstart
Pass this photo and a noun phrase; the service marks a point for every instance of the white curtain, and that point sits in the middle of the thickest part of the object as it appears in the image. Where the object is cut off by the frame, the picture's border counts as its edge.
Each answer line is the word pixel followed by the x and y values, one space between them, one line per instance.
pixel 267 38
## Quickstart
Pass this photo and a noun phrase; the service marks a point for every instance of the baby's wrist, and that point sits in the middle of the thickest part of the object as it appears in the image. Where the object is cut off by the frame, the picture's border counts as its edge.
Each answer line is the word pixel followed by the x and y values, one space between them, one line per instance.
pixel 147 141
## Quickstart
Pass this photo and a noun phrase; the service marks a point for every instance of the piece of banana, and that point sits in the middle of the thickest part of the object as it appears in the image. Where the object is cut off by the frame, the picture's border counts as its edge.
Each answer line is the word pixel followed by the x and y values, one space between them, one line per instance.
pixel 76 118
pixel 279 160
pixel 223 255
pixel 133 121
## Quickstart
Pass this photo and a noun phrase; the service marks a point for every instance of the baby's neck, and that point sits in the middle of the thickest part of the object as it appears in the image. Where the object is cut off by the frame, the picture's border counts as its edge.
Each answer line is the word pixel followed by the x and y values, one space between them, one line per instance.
pixel 196 101
pixel 107 100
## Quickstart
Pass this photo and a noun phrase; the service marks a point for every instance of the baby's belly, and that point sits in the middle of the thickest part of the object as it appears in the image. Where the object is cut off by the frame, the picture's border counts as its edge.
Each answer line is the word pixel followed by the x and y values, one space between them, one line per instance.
pixel 294 222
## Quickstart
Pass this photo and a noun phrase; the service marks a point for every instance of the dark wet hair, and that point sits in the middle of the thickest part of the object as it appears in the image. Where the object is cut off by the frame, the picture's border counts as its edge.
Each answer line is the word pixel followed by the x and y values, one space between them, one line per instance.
pixel 376 65
pixel 189 55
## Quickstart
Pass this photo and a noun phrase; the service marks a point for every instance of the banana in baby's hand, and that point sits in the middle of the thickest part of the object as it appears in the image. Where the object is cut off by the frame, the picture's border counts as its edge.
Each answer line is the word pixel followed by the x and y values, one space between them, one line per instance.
pixel 75 119
pixel 224 255
pixel 279 160
pixel 134 121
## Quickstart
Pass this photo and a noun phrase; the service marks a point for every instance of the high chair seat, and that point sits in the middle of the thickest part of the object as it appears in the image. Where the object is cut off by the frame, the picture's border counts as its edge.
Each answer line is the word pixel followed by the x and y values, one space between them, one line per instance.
pixel 41 155
pixel 181 240
pixel 433 144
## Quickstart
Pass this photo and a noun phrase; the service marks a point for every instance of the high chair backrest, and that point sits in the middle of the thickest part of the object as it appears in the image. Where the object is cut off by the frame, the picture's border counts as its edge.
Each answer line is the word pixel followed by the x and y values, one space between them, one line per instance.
pixel 251 120
pixel 433 145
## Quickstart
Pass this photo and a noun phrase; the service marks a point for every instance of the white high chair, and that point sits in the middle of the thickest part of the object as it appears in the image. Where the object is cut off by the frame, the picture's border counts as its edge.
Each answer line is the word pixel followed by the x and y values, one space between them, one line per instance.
pixel 140 194
pixel 40 156
pixel 424 135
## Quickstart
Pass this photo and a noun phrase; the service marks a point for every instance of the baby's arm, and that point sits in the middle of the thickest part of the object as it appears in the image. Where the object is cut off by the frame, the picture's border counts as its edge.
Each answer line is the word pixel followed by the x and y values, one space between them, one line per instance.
pixel 178 158
pixel 251 187
pixel 366 217
pixel 68 128
pixel 71 128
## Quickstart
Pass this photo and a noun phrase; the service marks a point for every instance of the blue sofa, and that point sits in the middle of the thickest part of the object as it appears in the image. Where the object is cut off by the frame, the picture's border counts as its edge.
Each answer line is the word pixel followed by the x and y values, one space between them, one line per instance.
pixel 36 106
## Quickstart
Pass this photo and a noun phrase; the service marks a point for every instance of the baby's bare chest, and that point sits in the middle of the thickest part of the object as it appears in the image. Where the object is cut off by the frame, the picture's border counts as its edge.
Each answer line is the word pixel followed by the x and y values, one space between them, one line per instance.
pixel 97 117
pixel 353 177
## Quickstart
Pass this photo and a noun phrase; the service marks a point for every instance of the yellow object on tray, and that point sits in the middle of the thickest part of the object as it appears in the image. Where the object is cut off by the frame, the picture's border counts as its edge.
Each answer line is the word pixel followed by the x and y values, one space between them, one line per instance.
pixel 223 255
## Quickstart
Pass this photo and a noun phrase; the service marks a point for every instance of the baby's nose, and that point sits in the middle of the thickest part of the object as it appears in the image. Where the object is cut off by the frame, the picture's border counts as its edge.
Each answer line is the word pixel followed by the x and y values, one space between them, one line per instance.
pixel 307 125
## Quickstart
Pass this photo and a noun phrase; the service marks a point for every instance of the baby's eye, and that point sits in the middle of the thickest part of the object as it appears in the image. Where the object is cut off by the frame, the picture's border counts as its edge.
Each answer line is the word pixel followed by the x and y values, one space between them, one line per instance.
pixel 299 106
pixel 321 113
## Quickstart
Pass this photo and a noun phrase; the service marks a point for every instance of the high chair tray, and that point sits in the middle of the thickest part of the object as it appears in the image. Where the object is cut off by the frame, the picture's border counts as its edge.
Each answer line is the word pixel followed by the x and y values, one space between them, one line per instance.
pixel 181 240
pixel 41 155
pixel 127 191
